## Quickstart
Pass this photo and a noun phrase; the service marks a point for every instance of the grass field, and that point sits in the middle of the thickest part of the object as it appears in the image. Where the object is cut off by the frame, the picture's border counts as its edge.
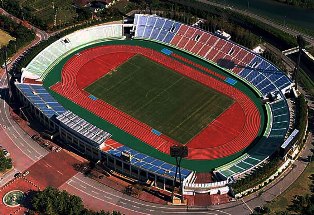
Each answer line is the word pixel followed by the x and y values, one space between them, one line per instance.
pixel 163 99
pixel 4 38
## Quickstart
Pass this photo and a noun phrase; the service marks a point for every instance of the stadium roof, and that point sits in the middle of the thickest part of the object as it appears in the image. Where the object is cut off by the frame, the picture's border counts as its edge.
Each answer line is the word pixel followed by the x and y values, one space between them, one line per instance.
pixel 84 128
pixel 149 163
pixel 41 99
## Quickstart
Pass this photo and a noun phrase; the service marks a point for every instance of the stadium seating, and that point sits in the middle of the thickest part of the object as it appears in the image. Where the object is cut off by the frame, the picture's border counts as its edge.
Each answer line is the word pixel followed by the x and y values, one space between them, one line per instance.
pixel 253 68
pixel 267 146
pixel 144 161
pixel 258 71
pixel 40 64
pixel 156 28
pixel 262 74
pixel 41 99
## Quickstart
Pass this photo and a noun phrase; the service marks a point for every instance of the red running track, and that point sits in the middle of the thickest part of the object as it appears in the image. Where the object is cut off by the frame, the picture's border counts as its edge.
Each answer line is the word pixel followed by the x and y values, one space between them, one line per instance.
pixel 231 132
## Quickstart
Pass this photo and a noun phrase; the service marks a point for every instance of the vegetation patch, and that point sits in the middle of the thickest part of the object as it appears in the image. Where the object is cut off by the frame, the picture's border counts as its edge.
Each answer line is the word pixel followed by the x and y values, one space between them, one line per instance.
pixel 290 199
pixel 258 176
pixel 5 163
pixel 13 198
pixel 53 201
pixel 5 38
pixel 17 30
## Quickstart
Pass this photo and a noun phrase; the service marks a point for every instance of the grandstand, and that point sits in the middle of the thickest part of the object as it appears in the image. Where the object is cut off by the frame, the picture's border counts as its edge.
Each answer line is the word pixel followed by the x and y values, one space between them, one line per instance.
pixel 241 61
pixel 119 138
pixel 39 66
pixel 261 73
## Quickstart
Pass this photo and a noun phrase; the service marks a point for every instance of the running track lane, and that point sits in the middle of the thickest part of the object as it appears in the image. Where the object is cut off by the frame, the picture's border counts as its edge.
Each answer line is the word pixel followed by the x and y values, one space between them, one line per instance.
pixel 212 146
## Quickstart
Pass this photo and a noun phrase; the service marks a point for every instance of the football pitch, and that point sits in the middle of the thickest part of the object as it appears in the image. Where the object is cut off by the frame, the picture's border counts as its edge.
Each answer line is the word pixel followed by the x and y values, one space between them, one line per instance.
pixel 167 101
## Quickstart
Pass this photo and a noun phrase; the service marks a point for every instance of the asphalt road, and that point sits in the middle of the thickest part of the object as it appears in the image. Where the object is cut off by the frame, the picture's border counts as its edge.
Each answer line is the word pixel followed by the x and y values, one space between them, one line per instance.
pixel 108 196
pixel 19 141
pixel 42 34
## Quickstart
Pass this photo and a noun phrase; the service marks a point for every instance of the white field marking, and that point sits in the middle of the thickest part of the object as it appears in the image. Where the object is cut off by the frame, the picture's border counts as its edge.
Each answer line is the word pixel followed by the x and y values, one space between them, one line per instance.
pixel 107 201
pixel 135 202
pixel 95 192
pixel 189 212
pixel 6 115
pixel 83 186
pixel 59 172
pixel 21 149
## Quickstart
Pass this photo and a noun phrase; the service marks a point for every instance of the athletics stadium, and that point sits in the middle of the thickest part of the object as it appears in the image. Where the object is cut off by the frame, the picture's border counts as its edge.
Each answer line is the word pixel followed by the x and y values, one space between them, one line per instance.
pixel 124 101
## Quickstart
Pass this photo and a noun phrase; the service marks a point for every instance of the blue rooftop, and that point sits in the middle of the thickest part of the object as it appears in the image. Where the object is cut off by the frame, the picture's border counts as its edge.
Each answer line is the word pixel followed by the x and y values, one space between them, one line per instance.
pixel 41 99
pixel 148 163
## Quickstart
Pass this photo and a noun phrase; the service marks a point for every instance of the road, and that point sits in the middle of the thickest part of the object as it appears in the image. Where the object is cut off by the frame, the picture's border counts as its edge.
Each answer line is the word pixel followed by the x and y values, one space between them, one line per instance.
pixel 283 28
pixel 23 150
pixel 42 34
pixel 102 195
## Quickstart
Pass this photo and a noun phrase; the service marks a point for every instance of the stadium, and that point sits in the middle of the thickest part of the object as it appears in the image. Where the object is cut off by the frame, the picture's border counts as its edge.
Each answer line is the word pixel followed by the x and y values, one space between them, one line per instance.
pixel 125 101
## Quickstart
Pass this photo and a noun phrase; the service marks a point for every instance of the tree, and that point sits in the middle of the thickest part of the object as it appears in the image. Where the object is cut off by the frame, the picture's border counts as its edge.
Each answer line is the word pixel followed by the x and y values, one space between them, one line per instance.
pixel 5 163
pixel 51 201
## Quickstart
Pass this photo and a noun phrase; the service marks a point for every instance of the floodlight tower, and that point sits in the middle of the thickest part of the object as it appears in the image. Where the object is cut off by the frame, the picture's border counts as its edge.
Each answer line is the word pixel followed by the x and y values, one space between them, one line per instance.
pixel 178 152
pixel 301 43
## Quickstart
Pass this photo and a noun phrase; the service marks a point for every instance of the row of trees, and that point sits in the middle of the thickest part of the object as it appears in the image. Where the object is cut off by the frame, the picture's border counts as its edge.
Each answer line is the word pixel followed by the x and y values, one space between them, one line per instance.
pixel 214 20
pixel 301 117
pixel 267 33
pixel 5 163
pixel 300 205
pixel 257 176
pixel 52 201
pixel 24 13
pixel 78 15
pixel 300 3
pixel 274 59
pixel 22 35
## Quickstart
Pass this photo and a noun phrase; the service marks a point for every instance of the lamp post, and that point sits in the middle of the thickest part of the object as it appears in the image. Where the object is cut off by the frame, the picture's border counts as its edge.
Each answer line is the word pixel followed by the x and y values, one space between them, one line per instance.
pixel 178 152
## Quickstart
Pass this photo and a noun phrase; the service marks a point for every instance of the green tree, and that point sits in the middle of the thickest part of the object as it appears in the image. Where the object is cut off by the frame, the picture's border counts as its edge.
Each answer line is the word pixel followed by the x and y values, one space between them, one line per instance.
pixel 5 163
pixel 51 201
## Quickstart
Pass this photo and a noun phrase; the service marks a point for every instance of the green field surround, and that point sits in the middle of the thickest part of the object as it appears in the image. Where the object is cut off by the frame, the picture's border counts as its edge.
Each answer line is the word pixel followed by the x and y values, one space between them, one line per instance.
pixel 165 100
pixel 121 136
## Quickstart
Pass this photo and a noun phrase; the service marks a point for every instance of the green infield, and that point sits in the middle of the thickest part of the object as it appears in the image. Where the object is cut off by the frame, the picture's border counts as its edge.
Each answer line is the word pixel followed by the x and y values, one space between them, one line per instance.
pixel 167 101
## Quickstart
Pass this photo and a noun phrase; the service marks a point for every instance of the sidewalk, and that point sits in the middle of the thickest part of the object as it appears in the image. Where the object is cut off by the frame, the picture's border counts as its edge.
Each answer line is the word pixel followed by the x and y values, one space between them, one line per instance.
pixel 274 189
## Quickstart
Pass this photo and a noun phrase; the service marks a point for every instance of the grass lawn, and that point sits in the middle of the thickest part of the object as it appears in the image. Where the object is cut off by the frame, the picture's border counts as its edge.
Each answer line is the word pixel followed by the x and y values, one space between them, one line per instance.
pixel 4 38
pixel 299 187
pixel 164 99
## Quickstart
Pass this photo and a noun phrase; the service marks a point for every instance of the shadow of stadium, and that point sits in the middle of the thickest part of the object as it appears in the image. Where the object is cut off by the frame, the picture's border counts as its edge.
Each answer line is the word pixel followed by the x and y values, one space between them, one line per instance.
pixel 229 64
